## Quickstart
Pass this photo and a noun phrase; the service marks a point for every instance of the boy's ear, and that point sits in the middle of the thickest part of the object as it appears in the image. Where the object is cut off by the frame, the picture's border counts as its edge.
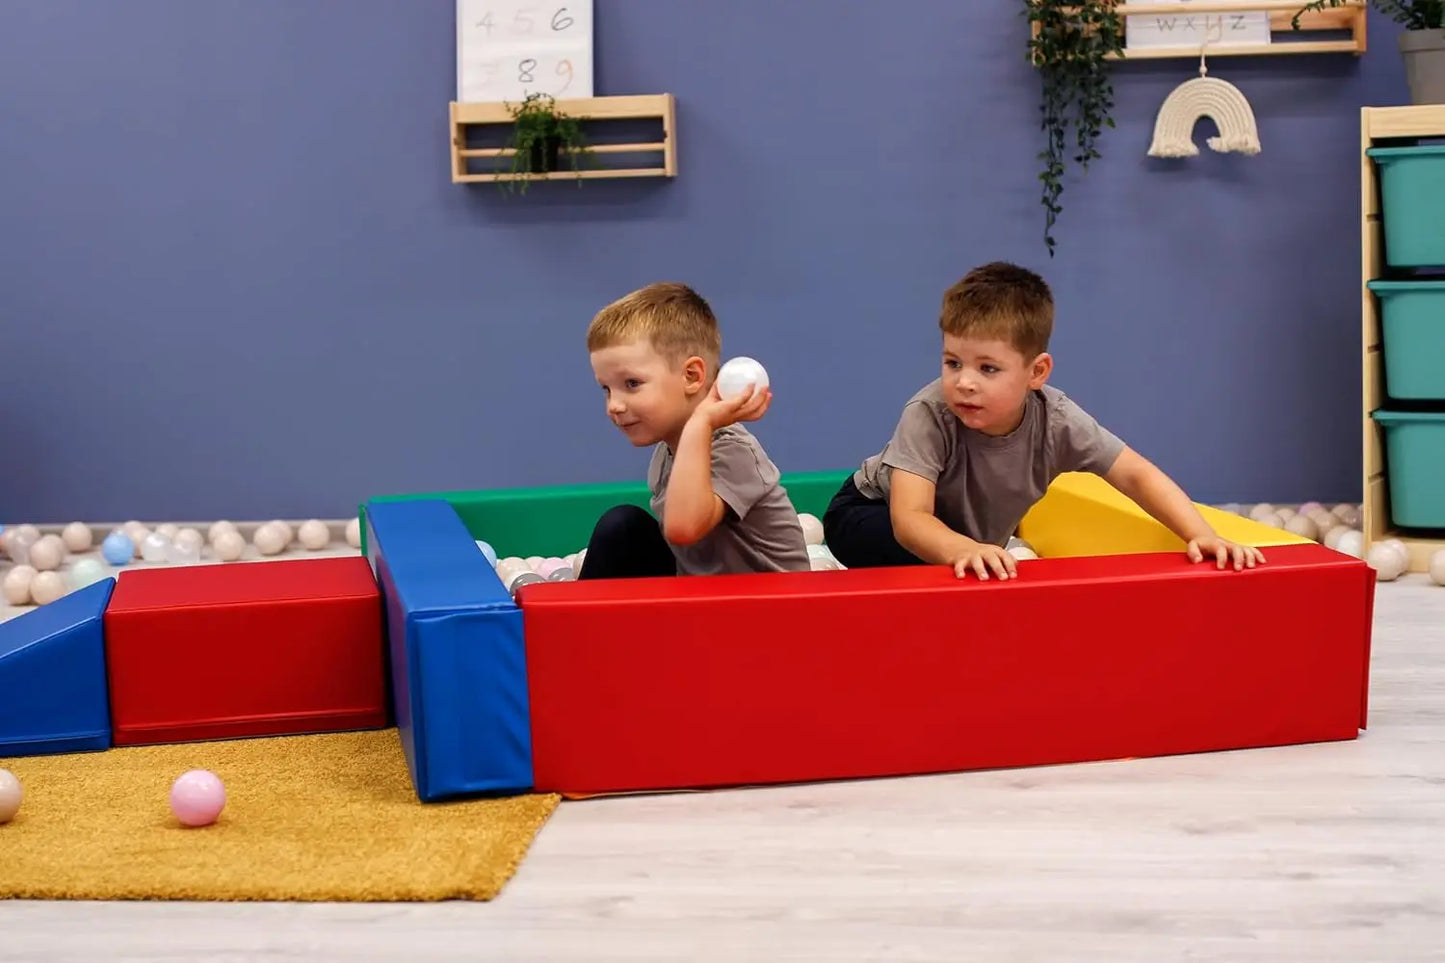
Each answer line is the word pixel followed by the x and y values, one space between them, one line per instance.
pixel 694 374
pixel 1042 367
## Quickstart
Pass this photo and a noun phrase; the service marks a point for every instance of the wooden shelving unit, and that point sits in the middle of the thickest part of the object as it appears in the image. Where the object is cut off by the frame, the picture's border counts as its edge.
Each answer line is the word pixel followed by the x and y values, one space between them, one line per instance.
pixel 1285 40
pixel 1383 126
pixel 596 114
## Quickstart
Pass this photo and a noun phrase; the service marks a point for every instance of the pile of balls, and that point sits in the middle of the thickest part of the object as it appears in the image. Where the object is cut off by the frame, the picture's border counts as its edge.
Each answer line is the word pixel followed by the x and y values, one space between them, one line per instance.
pixel 40 573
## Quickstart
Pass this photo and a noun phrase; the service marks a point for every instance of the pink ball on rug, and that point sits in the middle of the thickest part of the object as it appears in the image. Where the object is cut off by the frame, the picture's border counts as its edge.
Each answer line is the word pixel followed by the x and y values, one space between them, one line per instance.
pixel 197 797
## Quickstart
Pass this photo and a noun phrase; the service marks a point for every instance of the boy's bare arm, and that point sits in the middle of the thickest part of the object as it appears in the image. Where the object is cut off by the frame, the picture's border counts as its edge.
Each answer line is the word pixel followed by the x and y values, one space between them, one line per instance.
pixel 1158 494
pixel 692 508
pixel 910 509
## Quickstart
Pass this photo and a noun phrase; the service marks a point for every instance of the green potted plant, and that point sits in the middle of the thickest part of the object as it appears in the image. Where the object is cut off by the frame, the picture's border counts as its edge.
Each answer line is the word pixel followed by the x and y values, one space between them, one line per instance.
pixel 1422 42
pixel 540 133
pixel 1069 43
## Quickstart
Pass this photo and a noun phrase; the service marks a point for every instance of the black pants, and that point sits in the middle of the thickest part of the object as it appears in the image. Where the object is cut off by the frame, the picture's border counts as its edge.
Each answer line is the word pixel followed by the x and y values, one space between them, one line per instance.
pixel 859 532
pixel 627 542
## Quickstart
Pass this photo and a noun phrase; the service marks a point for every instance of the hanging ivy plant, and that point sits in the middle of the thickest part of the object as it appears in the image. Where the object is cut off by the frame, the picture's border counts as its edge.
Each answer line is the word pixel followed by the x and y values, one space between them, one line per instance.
pixel 1069 41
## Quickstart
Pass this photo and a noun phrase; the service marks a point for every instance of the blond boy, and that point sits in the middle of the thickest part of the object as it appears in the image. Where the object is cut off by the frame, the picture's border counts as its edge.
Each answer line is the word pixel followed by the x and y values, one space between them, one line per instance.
pixel 976 448
pixel 717 503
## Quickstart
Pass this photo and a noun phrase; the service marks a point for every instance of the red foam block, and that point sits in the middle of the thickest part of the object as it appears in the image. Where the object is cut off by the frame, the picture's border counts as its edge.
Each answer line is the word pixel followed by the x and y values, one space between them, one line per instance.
pixel 281 647
pixel 654 684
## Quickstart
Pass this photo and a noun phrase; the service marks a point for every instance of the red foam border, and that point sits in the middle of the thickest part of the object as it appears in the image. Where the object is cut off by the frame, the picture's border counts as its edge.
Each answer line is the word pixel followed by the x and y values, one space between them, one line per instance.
pixel 657 684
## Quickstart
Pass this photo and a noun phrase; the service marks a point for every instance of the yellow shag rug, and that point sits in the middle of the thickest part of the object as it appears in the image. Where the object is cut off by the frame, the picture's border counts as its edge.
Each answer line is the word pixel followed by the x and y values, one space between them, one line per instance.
pixel 310 818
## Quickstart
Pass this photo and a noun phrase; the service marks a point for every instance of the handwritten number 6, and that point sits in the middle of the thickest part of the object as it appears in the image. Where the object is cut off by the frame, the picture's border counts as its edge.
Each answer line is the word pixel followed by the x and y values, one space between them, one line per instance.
pixel 560 22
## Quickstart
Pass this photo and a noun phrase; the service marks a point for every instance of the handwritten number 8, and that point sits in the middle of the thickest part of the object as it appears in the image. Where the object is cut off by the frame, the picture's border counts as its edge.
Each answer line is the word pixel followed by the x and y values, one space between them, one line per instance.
pixel 560 22
pixel 524 70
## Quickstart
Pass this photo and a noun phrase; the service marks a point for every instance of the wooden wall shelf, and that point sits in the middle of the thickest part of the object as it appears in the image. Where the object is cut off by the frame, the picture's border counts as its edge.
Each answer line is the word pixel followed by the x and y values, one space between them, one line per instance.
pixel 1285 40
pixel 596 115
pixel 1383 126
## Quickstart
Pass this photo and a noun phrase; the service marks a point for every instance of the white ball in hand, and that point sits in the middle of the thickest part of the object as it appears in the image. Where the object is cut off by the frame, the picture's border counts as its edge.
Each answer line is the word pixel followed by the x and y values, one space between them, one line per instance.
pixel 735 377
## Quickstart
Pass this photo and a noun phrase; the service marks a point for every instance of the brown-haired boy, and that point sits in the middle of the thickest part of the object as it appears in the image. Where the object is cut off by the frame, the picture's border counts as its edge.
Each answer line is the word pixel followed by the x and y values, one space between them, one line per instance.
pixel 717 502
pixel 975 449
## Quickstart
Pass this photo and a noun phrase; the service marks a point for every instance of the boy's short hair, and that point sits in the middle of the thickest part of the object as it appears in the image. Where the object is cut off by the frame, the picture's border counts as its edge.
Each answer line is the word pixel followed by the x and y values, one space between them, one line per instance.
pixel 672 316
pixel 1003 301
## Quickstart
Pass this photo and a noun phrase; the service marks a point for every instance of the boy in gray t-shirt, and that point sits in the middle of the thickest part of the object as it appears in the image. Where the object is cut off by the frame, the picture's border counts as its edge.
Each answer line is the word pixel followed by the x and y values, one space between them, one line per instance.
pixel 976 448
pixel 717 501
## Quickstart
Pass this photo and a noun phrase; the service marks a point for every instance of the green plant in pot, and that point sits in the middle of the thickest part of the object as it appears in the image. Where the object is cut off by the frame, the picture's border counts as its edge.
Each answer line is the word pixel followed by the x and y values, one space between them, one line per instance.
pixel 1070 41
pixel 1422 42
pixel 541 132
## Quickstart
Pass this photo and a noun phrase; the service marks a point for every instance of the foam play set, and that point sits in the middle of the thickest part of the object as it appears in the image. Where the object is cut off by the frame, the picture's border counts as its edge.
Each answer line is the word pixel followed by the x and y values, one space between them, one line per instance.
pixel 1113 645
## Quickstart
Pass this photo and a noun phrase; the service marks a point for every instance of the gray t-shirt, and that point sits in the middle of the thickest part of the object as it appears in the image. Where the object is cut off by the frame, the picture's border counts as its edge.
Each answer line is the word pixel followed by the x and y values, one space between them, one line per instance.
pixel 985 484
pixel 759 531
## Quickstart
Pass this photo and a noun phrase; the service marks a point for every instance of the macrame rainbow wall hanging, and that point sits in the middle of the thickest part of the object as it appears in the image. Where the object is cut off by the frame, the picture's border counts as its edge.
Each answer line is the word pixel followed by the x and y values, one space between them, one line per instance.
pixel 1204 96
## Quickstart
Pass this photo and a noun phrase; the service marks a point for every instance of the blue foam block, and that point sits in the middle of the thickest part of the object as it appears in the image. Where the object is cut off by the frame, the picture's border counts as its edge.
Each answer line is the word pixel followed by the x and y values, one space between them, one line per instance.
pixel 54 695
pixel 458 664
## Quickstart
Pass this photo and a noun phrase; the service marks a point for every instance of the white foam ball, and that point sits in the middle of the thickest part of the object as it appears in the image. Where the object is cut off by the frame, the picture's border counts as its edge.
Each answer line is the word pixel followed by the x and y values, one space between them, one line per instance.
pixel 314 534
pixel 77 537
pixel 270 539
pixel 735 377
pixel 16 584
pixel 353 533
pixel 47 554
pixel 1386 562
pixel 46 587
pixel 228 545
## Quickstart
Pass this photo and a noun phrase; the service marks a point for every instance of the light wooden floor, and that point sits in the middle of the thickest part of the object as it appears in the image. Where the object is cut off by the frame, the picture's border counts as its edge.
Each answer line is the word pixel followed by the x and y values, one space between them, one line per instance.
pixel 1309 854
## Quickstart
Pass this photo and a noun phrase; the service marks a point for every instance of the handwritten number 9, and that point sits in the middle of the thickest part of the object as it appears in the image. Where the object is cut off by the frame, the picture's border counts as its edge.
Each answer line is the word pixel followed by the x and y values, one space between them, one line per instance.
pixel 564 67
pixel 560 22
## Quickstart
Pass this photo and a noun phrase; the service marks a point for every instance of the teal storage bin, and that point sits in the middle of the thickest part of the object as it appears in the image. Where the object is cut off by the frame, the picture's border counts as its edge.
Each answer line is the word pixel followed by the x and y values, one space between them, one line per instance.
pixel 1415 466
pixel 1412 329
pixel 1412 203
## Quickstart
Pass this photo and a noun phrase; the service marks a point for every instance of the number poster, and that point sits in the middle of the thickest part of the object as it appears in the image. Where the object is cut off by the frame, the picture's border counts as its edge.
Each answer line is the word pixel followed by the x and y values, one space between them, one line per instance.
pixel 507 49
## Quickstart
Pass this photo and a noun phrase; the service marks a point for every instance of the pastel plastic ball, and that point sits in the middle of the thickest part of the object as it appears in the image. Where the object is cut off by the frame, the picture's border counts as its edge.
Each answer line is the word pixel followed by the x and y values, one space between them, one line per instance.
pixel 46 587
pixel 197 797
pixel 16 585
pixel 153 549
pixel 1437 567
pixel 1386 562
pixel 117 549
pixel 812 528
pixel 1352 543
pixel 228 545
pixel 353 533
pixel 313 534
pixel 217 528
pixel 488 551
pixel 19 543
pixel 77 537
pixel 1303 525
pixel 286 530
pixel 86 571
pixel 11 795
pixel 183 551
pixel 190 537
pixel 735 377
pixel 1309 508
pixel 270 539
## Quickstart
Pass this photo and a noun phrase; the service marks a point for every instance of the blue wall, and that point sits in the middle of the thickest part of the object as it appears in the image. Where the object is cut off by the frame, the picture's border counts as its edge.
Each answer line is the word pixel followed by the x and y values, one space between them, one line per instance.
pixel 201 198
